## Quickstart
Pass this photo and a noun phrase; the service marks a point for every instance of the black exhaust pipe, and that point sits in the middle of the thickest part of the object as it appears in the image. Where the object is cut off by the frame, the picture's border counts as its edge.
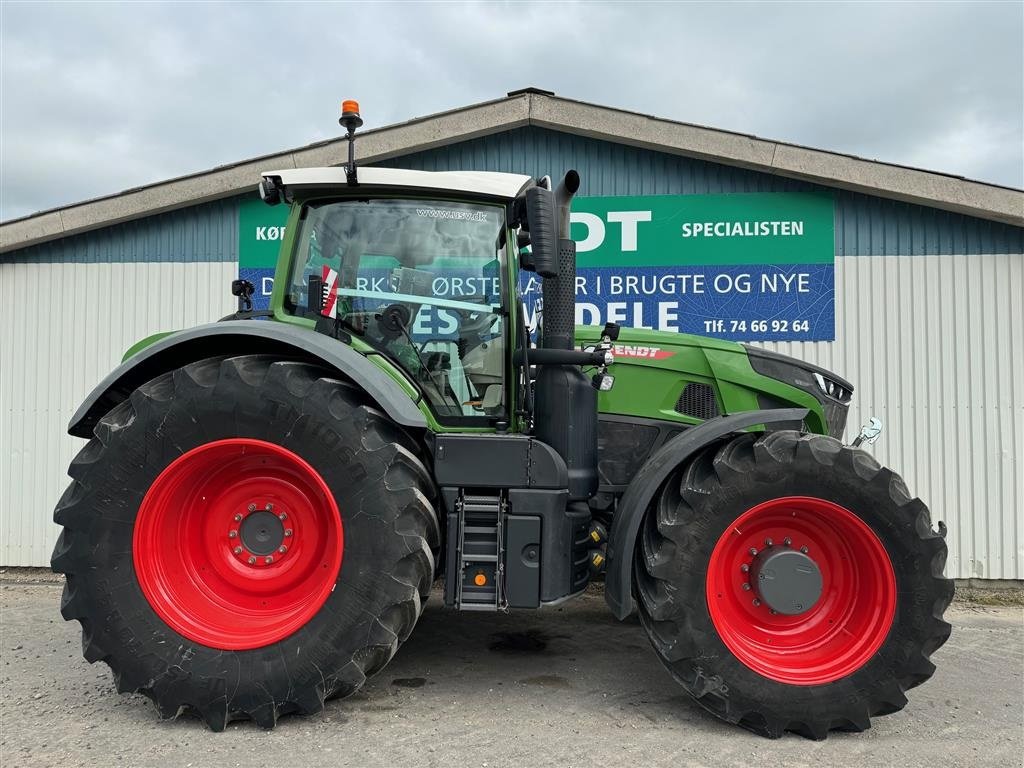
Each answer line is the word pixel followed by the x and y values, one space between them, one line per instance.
pixel 565 399
pixel 559 292
pixel 564 192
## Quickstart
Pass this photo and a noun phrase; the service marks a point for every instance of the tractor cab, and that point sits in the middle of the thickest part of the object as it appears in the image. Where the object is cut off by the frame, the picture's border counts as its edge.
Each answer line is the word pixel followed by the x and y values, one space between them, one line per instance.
pixel 422 281
pixel 420 272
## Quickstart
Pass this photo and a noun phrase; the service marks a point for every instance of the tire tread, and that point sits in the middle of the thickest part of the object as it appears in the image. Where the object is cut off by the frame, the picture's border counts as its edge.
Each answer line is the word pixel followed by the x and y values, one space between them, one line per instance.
pixel 675 622
pixel 408 498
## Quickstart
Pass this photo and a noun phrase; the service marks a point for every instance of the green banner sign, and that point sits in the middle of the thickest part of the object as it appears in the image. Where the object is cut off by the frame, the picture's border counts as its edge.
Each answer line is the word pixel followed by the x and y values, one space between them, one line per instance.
pixel 260 232
pixel 685 230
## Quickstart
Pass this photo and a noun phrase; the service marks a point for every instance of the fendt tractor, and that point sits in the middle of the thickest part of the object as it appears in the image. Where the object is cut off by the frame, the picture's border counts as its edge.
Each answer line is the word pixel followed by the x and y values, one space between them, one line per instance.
pixel 265 502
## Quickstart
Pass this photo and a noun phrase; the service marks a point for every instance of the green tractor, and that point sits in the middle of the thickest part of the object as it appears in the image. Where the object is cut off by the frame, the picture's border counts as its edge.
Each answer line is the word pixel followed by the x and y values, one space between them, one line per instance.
pixel 264 503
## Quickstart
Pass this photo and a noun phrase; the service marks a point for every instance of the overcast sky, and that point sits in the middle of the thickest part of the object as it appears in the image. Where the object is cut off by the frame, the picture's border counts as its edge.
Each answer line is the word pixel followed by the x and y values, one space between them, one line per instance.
pixel 100 97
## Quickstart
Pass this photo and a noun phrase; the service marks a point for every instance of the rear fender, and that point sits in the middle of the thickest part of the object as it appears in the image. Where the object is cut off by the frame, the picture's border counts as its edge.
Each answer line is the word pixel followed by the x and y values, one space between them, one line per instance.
pixel 245 337
pixel 630 511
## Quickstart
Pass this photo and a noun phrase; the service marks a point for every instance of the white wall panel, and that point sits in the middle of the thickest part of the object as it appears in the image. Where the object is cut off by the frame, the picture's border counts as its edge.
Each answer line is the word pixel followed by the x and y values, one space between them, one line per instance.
pixel 66 326
pixel 934 346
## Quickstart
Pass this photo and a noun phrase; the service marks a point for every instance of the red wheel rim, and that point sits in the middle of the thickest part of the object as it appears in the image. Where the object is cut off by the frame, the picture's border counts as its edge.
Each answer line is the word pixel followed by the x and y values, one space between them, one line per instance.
pixel 237 544
pixel 845 626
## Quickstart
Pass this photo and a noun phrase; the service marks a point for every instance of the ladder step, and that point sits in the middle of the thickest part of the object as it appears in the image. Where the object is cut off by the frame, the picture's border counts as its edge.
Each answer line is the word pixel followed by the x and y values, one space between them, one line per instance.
pixel 485 530
pixel 488 508
pixel 468 606
pixel 471 558
pixel 470 498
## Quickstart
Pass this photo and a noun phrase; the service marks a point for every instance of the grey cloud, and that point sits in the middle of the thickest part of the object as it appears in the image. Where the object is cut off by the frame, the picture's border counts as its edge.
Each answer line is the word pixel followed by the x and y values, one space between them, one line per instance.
pixel 97 98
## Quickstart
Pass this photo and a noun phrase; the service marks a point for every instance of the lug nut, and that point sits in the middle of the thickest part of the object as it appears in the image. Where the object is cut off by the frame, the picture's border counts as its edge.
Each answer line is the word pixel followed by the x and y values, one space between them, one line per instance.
pixel 772 611
pixel 282 549
pixel 787 541
pixel 756 602
pixel 753 551
pixel 232 534
pixel 281 516
pixel 252 560
pixel 803 549
pixel 745 586
pixel 252 507
pixel 268 559
pixel 744 567
pixel 238 518
pixel 270 507
pixel 767 542
pixel 237 550
pixel 287 531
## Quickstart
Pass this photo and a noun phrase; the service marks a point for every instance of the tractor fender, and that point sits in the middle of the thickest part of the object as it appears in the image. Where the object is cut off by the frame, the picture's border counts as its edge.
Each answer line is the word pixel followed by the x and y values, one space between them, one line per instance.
pixel 630 511
pixel 244 337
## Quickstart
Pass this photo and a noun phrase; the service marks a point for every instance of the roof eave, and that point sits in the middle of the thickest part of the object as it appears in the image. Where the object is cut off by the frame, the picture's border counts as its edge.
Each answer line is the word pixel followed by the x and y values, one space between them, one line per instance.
pixel 227 181
pixel 531 107
pixel 831 169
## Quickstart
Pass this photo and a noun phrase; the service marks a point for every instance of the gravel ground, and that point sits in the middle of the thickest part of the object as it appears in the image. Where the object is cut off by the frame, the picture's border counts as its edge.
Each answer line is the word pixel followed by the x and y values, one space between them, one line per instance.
pixel 562 687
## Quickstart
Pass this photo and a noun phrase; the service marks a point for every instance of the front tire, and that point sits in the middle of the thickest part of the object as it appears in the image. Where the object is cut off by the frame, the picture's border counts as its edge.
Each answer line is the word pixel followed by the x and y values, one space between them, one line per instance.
pixel 789 582
pixel 245 537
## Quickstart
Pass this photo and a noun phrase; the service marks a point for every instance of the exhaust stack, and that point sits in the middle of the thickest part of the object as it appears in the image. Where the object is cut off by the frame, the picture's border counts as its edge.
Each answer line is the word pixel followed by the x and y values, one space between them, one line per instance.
pixel 566 399
pixel 560 291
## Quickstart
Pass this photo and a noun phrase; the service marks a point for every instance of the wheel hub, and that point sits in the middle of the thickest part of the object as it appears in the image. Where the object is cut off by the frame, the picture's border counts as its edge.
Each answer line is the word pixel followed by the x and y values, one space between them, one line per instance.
pixel 259 534
pixel 786 580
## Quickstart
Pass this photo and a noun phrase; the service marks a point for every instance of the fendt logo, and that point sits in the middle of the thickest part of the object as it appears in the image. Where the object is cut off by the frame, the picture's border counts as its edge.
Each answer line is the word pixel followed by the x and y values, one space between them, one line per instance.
pixel 270 233
pixel 640 353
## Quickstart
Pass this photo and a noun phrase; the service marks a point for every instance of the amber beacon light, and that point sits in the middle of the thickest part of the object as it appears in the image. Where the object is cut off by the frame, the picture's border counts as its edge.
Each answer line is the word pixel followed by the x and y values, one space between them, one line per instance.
pixel 350 120
pixel 350 107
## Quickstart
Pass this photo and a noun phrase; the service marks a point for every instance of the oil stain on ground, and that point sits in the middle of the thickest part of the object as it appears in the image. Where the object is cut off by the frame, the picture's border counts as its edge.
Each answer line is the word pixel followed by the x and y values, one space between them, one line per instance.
pixel 530 641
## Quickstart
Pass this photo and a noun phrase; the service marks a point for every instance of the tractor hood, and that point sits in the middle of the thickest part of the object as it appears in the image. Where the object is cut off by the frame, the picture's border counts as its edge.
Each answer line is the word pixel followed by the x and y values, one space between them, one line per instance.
pixel 687 378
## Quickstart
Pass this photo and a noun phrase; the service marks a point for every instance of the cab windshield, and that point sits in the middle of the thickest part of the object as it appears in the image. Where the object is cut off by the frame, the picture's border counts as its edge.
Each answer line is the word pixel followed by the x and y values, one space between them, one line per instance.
pixel 419 280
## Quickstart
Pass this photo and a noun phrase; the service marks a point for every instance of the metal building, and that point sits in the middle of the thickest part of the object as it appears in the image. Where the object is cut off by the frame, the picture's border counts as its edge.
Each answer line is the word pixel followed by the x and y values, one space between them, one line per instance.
pixel 929 293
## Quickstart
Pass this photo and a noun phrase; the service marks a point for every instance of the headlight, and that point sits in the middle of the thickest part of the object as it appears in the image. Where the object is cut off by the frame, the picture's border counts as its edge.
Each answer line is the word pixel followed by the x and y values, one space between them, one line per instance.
pixel 833 388
pixel 829 389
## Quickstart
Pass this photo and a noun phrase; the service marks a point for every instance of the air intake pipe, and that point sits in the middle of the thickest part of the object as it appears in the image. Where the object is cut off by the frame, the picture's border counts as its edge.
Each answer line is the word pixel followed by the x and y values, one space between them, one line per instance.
pixel 559 292
pixel 566 402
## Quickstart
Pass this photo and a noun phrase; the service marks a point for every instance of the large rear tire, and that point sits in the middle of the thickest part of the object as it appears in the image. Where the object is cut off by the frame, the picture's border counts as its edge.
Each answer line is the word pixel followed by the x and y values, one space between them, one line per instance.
pixel 245 537
pixel 789 582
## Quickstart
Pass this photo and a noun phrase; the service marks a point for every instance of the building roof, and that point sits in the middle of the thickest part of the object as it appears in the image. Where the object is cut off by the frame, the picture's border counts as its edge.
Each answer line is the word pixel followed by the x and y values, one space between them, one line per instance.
pixel 532 106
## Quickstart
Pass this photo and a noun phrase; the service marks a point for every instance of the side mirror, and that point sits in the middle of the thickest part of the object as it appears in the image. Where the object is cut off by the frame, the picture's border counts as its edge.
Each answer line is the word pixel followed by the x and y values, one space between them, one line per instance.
pixel 540 215
pixel 270 192
pixel 244 290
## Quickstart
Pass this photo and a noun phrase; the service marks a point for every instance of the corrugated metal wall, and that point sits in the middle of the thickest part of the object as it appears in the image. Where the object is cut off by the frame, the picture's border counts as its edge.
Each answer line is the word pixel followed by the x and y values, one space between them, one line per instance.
pixel 933 346
pixel 72 307
pixel 66 326
pixel 931 341
pixel 207 232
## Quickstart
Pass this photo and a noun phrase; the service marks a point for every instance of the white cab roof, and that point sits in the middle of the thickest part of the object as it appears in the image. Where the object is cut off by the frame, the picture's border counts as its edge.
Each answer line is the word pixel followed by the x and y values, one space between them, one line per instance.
pixel 506 185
